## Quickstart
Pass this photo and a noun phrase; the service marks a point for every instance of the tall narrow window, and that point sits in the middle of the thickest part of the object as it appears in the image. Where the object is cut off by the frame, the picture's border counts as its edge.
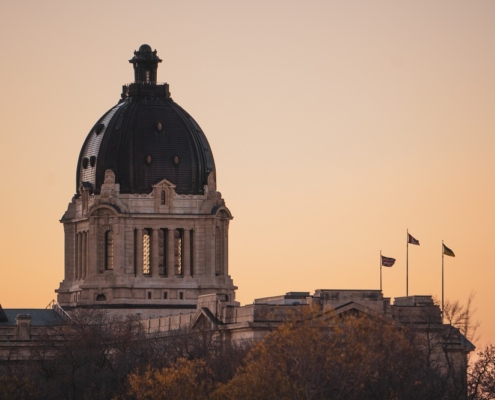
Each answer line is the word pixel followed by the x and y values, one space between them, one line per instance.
pixel 178 252
pixel 218 251
pixel 108 250
pixel 191 252
pixel 146 253
pixel 162 252
pixel 163 198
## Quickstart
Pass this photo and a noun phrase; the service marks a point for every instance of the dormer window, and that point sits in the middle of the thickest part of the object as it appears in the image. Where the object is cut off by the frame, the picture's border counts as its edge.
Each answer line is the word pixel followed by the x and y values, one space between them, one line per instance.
pixel 163 198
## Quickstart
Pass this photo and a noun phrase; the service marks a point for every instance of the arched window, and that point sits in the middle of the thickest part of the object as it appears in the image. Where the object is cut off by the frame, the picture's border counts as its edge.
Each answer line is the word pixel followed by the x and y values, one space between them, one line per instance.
pixel 146 253
pixel 109 250
pixel 163 198
pixel 101 297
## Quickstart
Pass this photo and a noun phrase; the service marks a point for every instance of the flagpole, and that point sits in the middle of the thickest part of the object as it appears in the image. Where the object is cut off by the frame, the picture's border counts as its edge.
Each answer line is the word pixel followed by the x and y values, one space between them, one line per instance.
pixel 407 263
pixel 442 283
pixel 380 270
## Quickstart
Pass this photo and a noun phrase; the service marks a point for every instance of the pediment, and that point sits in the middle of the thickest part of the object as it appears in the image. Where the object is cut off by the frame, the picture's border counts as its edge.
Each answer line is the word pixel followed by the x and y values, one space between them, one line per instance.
pixel 355 309
pixel 204 319
pixel 164 182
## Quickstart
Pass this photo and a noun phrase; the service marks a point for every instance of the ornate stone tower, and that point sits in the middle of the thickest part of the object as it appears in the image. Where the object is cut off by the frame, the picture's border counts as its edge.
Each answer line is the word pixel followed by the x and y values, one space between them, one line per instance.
pixel 146 229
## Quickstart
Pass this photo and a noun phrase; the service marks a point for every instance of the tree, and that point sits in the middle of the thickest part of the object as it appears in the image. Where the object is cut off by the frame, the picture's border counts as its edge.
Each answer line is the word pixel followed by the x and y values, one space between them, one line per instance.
pixel 462 317
pixel 184 379
pixel 482 375
pixel 87 358
pixel 318 356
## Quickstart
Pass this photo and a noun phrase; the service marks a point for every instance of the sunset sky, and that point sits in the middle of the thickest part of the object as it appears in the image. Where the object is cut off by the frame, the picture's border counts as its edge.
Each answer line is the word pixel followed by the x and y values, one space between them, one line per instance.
pixel 335 126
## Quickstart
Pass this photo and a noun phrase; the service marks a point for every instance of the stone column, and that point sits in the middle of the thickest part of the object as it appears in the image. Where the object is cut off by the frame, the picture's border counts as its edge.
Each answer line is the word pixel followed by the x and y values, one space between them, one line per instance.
pixel 154 253
pixel 76 256
pixel 118 233
pixel 225 248
pixel 139 252
pixel 70 249
pixel 186 256
pixel 170 252
pixel 213 243
pixel 92 243
pixel 193 253
pixel 79 255
pixel 84 255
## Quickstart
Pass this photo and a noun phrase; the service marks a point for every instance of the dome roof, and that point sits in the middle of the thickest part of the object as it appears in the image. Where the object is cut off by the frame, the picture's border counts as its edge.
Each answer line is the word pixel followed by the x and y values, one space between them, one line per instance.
pixel 146 138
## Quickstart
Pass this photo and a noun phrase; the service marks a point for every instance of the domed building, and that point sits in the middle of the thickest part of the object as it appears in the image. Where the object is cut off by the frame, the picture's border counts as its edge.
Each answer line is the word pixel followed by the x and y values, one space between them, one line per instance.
pixel 146 233
pixel 146 229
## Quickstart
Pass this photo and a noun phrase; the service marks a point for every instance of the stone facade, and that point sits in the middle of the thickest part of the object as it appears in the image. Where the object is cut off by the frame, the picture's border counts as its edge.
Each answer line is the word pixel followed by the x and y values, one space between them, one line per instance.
pixel 151 253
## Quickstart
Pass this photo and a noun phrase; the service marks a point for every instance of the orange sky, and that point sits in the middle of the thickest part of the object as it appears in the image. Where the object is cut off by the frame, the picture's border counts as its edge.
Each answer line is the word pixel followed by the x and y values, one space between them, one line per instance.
pixel 335 126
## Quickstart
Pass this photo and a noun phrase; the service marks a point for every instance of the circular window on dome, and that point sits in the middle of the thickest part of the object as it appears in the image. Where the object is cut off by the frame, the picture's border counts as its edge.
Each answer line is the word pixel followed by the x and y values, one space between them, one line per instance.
pixel 85 162
pixel 92 161
pixel 99 128
pixel 176 160
pixel 148 160
pixel 159 126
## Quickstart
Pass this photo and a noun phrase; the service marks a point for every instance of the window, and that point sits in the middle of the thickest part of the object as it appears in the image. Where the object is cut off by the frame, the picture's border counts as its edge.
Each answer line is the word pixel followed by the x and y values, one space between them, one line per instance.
pixel 218 251
pixel 146 253
pixel 109 250
pixel 149 295
pixel 181 295
pixel 162 252
pixel 163 198
pixel 101 297
pixel 178 252
pixel 165 295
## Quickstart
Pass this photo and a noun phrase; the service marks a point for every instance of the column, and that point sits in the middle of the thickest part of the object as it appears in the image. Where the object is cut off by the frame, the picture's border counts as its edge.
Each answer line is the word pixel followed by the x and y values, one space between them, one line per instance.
pixel 76 256
pixel 154 253
pixel 92 255
pixel 79 255
pixel 225 269
pixel 139 252
pixel 170 252
pixel 186 256
pixel 118 247
pixel 84 263
pixel 193 253
pixel 213 243
pixel 70 252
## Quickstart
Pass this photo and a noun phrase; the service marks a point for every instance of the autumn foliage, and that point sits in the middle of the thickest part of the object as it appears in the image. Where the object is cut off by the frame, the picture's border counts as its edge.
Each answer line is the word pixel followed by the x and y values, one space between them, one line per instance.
pixel 314 354
pixel 184 379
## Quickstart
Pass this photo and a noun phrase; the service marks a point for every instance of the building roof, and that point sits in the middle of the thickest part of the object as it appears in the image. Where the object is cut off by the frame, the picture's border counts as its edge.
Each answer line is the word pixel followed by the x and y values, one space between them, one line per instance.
pixel 146 138
pixel 39 316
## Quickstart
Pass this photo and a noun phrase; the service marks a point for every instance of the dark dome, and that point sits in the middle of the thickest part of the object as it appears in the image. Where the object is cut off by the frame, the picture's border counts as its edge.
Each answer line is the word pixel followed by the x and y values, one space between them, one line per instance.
pixel 145 47
pixel 146 138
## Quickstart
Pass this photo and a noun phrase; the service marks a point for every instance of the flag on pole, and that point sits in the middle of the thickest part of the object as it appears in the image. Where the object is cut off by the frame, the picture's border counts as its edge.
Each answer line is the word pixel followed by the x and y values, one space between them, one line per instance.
pixel 447 251
pixel 387 261
pixel 411 240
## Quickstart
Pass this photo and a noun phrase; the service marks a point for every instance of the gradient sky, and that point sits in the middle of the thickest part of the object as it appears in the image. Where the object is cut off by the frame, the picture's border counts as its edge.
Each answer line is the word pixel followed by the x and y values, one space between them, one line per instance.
pixel 335 126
